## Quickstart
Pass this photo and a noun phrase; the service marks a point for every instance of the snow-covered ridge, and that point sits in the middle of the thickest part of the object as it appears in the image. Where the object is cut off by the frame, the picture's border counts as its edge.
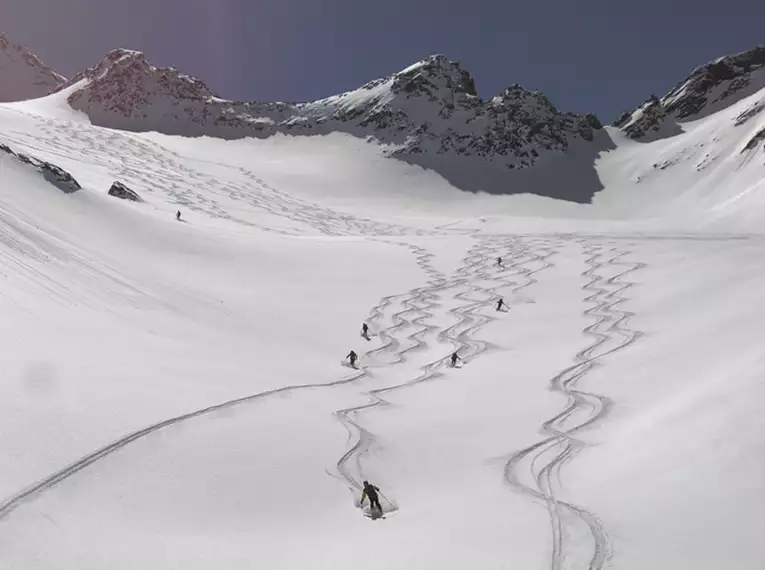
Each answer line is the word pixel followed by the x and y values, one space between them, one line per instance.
pixel 430 107
pixel 708 89
pixel 22 75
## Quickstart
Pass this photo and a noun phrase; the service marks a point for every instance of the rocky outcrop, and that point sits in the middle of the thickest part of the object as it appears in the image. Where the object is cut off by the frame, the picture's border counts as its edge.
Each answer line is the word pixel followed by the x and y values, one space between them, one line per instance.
pixel 755 141
pixel 119 190
pixel 708 89
pixel 717 84
pixel 649 122
pixel 56 176
pixel 125 91
pixel 22 75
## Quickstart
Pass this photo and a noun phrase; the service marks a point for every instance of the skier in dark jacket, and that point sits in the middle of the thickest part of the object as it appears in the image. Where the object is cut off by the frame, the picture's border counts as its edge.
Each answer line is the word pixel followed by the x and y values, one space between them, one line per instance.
pixel 499 262
pixel 455 358
pixel 371 492
pixel 352 356
pixel 501 303
pixel 365 331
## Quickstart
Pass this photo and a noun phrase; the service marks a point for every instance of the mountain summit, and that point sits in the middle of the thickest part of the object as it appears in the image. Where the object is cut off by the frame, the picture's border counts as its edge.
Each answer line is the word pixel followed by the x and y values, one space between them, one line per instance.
pixel 22 75
pixel 709 88
pixel 429 114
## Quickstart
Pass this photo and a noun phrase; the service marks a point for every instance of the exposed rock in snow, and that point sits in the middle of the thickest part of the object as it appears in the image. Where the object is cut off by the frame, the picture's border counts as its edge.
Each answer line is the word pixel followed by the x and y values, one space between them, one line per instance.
pixel 119 190
pixel 755 140
pixel 428 109
pixel 22 75
pixel 58 177
pixel 649 122
pixel 710 88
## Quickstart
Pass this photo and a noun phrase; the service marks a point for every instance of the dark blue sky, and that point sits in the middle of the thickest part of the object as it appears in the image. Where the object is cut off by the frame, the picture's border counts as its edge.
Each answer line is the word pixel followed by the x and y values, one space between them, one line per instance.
pixel 601 56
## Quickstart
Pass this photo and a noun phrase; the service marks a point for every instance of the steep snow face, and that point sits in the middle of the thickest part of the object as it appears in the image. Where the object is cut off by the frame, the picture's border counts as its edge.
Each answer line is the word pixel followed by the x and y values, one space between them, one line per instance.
pixel 713 170
pixel 428 109
pixel 709 89
pixel 22 75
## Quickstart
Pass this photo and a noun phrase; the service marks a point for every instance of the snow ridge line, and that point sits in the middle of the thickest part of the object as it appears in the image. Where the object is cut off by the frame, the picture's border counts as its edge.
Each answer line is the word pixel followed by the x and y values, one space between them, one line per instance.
pixel 474 261
pixel 560 441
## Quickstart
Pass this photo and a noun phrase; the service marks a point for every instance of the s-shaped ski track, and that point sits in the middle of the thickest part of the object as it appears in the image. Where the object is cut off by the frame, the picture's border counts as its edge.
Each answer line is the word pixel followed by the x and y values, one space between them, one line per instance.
pixel 544 459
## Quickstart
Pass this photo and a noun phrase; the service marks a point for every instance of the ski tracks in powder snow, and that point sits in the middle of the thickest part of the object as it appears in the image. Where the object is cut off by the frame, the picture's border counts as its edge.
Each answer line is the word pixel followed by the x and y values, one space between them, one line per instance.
pixel 475 287
pixel 544 460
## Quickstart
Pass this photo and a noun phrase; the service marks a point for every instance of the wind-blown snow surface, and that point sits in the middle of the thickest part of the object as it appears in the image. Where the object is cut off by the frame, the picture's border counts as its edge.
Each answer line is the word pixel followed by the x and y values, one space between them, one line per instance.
pixel 173 395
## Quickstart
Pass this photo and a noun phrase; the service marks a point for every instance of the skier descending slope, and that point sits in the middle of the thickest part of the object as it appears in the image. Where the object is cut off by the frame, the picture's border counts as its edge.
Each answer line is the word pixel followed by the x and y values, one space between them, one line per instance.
pixel 454 357
pixel 365 331
pixel 352 357
pixel 501 303
pixel 371 492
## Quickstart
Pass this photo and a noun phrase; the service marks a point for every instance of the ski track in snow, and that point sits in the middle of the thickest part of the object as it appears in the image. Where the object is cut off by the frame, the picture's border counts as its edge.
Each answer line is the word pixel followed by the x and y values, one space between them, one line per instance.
pixel 475 267
pixel 128 157
pixel 416 307
pixel 544 459
pixel 150 168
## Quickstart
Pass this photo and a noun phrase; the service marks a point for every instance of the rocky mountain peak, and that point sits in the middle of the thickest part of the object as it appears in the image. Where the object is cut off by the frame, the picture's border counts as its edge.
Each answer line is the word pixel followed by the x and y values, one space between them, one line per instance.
pixel 124 82
pixel 430 108
pixel 22 75
pixel 708 89
pixel 432 77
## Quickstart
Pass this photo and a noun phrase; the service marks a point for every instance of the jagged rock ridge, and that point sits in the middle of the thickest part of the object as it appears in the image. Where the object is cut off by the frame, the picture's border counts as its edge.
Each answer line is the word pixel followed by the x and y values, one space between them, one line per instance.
pixel 22 75
pixel 708 89
pixel 429 107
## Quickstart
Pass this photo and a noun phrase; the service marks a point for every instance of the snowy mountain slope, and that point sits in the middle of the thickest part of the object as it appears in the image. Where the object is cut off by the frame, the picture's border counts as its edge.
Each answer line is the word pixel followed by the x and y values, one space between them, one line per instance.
pixel 427 114
pixel 709 89
pixel 712 173
pixel 173 395
pixel 23 75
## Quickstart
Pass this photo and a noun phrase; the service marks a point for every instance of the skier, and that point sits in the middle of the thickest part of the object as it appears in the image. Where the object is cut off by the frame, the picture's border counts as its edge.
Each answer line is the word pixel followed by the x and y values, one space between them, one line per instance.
pixel 365 331
pixel 178 215
pixel 455 358
pixel 501 303
pixel 499 262
pixel 352 356
pixel 371 492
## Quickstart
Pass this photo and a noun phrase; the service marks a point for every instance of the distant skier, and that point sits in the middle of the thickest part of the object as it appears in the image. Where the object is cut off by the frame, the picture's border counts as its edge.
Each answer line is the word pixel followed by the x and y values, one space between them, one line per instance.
pixel 352 357
pixel 499 262
pixel 365 331
pixel 501 303
pixel 371 492
pixel 178 215
pixel 454 359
